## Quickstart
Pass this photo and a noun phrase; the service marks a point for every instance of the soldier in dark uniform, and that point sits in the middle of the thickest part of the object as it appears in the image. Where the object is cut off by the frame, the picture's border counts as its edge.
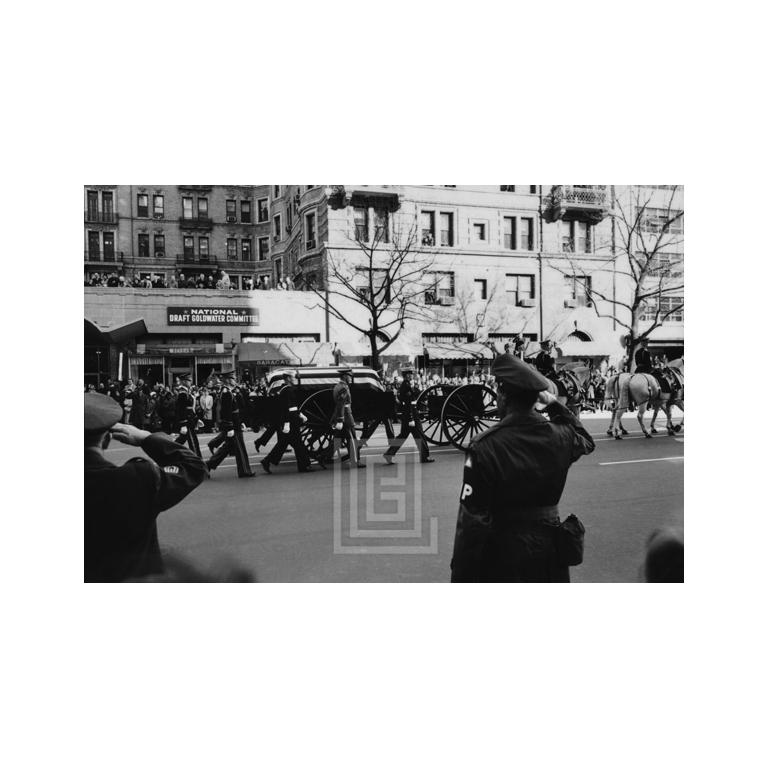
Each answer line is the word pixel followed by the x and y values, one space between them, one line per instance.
pixel 291 420
pixel 230 438
pixel 514 475
pixel 122 503
pixel 343 421
pixel 410 424
pixel 545 363
pixel 186 418
pixel 643 361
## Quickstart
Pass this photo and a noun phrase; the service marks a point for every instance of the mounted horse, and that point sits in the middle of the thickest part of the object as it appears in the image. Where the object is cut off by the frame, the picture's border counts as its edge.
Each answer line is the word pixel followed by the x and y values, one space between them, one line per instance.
pixel 645 391
pixel 570 386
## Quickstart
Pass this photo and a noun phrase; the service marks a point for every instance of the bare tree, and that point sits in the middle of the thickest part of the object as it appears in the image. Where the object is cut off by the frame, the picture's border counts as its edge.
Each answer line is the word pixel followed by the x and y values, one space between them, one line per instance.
pixel 386 279
pixel 646 255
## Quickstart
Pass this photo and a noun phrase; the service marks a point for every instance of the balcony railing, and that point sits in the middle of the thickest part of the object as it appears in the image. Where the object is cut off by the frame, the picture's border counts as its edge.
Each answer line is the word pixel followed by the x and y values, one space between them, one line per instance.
pixel 577 202
pixel 196 222
pixel 100 217
pixel 100 257
pixel 207 259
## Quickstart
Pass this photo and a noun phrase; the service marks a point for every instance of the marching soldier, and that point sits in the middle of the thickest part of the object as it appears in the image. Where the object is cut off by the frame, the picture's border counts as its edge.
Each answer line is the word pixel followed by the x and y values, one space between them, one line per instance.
pixel 291 420
pixel 230 437
pixel 122 503
pixel 186 418
pixel 410 424
pixel 643 361
pixel 343 421
pixel 514 475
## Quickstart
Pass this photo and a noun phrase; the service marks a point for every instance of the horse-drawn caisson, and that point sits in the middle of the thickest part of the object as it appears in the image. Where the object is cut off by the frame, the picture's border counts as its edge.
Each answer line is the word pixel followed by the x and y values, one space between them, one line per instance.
pixel 657 391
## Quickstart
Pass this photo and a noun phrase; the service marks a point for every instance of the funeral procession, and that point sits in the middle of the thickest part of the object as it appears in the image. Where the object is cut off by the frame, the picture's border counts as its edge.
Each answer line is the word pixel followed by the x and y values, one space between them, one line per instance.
pixel 393 383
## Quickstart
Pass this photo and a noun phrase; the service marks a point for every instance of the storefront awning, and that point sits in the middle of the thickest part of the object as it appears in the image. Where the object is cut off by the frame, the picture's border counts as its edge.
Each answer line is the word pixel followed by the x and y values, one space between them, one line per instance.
pixel 117 334
pixel 576 348
pixel 469 350
pixel 263 353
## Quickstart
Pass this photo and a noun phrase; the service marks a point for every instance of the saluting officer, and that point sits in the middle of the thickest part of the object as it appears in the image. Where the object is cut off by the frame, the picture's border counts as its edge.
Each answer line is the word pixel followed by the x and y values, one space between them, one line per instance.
pixel 291 419
pixel 186 418
pixel 514 475
pixel 410 424
pixel 122 503
pixel 343 420
pixel 230 438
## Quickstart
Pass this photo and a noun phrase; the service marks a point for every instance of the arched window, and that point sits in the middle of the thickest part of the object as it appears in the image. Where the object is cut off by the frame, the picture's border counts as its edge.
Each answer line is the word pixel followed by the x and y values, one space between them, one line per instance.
pixel 579 336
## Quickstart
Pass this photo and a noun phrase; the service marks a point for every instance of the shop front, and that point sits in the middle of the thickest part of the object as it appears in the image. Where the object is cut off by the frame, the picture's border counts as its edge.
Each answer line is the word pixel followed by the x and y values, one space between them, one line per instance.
pixel 164 364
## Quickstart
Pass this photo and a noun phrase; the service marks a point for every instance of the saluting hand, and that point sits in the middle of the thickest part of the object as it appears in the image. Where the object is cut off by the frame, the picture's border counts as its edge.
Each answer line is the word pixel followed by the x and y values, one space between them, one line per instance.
pixel 128 434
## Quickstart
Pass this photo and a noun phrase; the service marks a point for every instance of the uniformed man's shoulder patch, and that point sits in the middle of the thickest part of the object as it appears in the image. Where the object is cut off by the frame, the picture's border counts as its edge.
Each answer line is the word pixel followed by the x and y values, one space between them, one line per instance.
pixel 171 470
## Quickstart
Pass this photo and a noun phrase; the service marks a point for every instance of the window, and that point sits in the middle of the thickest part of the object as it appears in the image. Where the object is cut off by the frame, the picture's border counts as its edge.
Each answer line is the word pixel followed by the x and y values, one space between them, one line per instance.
pixel 144 246
pixel 107 206
pixel 278 267
pixel 578 289
pixel 278 228
pixel 231 248
pixel 245 249
pixel 427 227
pixel 158 206
pixel 142 206
pixel 446 229
pixel 655 218
pixel 533 188
pixel 510 232
pixel 289 218
pixel 109 246
pixel 526 234
pixel 202 207
pixel 521 287
pixel 245 211
pixel 379 278
pixel 231 211
pixel 666 304
pixel 94 245
pixel 361 223
pixel 276 190
pixel 441 290
pixel 263 248
pixel 309 230
pixel 189 246
pixel 507 187
pixel 263 209
pixel 381 224
pixel 186 207
pixel 577 237
pixel 664 265
pixel 202 248
pixel 478 231
pixel 93 205
pixel 234 282
pixel 481 290
pixel 159 246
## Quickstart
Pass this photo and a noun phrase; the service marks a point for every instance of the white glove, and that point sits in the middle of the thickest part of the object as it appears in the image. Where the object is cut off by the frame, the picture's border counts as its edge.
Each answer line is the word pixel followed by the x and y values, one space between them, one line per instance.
pixel 286 428
pixel 183 431
pixel 411 423
pixel 243 427
pixel 338 425
pixel 303 418
pixel 200 424
pixel 231 433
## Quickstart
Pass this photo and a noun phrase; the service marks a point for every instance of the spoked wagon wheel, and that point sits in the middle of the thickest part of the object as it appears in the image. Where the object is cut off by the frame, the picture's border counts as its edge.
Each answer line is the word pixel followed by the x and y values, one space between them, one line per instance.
pixel 468 411
pixel 429 405
pixel 317 433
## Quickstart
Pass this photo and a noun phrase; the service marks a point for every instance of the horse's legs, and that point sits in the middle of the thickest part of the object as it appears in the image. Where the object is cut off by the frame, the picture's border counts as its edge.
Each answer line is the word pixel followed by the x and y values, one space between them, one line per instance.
pixel 653 420
pixel 642 408
pixel 616 423
pixel 679 404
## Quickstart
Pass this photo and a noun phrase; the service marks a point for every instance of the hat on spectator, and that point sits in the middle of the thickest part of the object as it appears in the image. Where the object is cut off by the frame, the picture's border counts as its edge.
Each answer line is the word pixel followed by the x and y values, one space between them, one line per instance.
pixel 101 412
pixel 514 372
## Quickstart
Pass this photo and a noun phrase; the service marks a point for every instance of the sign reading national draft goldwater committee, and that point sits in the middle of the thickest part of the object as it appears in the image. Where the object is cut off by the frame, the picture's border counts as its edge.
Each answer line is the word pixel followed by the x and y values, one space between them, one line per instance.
pixel 213 316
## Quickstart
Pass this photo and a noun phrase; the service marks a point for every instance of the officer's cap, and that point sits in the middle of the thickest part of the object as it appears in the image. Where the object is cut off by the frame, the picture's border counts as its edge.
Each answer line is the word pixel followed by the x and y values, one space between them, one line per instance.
pixel 101 412
pixel 228 374
pixel 513 371
pixel 345 371
pixel 546 343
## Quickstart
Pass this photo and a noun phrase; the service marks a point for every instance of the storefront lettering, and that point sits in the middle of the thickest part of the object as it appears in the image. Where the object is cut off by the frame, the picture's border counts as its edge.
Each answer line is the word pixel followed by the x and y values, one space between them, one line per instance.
pixel 212 316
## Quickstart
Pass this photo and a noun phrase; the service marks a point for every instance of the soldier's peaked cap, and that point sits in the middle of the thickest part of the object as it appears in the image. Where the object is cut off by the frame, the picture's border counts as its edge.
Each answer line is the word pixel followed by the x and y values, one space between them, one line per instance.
pixel 101 412
pixel 513 371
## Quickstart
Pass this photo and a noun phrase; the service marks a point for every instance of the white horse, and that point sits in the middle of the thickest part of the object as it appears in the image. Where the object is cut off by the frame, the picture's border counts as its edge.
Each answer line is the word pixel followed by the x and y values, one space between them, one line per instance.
pixel 644 390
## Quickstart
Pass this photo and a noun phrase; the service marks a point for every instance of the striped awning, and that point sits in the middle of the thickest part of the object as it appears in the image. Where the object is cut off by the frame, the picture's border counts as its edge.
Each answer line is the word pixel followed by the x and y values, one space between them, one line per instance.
pixel 146 360
pixel 468 350
pixel 262 352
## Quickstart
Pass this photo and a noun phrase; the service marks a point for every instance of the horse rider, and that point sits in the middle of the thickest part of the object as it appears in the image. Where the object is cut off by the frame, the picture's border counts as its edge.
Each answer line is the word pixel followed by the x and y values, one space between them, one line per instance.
pixel 643 360
pixel 544 362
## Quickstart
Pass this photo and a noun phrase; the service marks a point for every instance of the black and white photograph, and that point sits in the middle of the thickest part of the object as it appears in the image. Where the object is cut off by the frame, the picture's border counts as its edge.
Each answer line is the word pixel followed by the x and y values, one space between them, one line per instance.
pixel 384 383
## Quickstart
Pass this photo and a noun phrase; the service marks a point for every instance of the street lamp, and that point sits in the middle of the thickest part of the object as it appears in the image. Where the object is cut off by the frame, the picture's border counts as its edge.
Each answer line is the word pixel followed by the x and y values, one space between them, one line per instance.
pixel 98 367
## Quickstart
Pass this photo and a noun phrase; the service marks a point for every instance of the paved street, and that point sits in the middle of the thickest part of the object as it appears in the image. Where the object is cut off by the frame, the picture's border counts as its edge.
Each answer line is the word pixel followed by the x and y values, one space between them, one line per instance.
pixel 282 525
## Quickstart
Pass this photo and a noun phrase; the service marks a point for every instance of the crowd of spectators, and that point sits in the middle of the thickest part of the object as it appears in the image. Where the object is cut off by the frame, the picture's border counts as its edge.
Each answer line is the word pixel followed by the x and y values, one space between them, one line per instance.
pixel 219 280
